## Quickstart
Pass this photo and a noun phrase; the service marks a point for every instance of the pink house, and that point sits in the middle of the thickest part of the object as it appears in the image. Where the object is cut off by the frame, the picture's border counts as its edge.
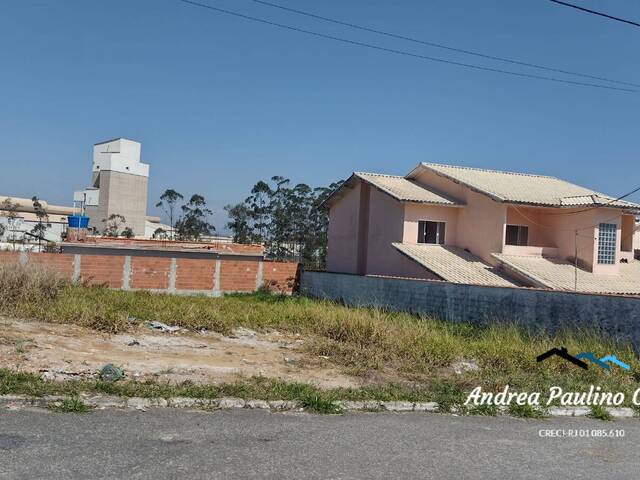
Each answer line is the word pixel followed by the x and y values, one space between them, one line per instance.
pixel 475 226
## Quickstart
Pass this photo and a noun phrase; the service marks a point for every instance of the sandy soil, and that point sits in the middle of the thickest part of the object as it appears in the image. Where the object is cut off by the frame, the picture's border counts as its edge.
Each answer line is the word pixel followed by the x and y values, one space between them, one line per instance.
pixel 59 351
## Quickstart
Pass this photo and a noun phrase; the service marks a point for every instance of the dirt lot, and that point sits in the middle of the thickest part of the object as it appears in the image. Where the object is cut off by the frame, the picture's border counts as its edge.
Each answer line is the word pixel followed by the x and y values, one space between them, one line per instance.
pixel 60 352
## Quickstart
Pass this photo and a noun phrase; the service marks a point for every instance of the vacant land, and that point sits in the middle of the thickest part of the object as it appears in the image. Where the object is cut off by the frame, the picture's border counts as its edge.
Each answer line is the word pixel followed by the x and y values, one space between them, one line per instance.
pixel 367 352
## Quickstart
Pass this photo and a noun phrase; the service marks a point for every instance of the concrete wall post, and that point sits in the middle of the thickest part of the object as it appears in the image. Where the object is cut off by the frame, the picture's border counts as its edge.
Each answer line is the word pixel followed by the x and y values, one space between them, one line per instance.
pixel 172 275
pixel 217 290
pixel 77 263
pixel 126 273
pixel 260 275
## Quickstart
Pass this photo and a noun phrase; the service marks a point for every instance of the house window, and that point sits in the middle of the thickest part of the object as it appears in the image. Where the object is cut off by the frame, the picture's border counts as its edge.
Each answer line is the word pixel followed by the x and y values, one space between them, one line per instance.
pixel 607 243
pixel 431 232
pixel 517 235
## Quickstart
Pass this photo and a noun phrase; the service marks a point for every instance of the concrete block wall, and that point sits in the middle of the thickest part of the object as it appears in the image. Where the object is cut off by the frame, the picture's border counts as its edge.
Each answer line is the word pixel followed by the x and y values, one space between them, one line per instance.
pixel 616 317
pixel 164 274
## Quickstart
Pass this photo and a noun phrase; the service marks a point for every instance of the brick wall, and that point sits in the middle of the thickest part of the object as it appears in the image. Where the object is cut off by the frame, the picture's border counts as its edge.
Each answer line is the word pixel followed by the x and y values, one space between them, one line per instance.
pixel 240 276
pixel 613 316
pixel 149 273
pixel 195 274
pixel 280 276
pixel 175 275
pixel 100 270
pixel 60 263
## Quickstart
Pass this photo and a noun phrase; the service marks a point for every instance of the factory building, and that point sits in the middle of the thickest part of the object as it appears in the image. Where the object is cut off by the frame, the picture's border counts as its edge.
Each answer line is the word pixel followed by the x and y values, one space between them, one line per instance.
pixel 119 183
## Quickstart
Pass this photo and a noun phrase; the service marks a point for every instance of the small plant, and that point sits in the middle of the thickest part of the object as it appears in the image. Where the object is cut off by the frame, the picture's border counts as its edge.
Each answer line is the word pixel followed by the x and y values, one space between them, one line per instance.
pixel 449 397
pixel 21 346
pixel 483 410
pixel 318 403
pixel 600 412
pixel 525 411
pixel 71 405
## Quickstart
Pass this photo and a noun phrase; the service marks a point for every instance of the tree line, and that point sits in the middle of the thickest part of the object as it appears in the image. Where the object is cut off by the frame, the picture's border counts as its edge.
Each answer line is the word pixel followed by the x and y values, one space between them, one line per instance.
pixel 287 219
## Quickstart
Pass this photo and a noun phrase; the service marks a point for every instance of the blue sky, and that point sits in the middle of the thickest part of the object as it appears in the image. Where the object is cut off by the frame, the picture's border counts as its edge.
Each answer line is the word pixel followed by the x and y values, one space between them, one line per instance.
pixel 219 102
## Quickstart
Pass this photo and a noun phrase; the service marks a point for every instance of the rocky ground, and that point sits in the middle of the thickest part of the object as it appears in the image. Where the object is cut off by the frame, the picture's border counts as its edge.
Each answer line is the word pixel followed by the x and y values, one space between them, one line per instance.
pixel 62 352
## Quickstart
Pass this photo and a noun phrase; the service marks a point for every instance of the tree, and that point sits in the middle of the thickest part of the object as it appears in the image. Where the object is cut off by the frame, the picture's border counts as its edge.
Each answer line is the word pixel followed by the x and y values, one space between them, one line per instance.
pixel 194 223
pixel 168 202
pixel 113 224
pixel 2 229
pixel 159 233
pixel 239 222
pixel 8 208
pixel 40 228
pixel 258 203
pixel 290 222
pixel 127 232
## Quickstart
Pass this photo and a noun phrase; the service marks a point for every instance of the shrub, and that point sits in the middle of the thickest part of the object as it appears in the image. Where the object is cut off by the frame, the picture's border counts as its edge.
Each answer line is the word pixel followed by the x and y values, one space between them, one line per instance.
pixel 32 284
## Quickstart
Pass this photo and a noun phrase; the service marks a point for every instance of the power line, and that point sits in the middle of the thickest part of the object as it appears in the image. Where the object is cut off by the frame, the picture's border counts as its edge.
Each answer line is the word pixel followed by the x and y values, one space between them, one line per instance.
pixel 440 45
pixel 402 52
pixel 577 7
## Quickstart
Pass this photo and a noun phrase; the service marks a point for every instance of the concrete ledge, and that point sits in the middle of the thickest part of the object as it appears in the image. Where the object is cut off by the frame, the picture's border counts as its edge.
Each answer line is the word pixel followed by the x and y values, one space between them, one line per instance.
pixel 102 402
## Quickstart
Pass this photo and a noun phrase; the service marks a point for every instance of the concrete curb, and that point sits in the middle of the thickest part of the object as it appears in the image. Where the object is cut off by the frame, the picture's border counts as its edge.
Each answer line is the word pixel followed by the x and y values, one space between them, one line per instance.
pixel 102 402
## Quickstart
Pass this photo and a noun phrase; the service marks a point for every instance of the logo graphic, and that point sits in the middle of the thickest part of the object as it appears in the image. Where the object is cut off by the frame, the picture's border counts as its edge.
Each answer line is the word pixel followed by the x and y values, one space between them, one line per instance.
pixel 578 359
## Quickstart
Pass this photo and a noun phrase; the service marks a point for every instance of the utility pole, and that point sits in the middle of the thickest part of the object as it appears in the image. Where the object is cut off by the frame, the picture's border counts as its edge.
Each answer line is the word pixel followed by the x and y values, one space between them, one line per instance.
pixel 575 263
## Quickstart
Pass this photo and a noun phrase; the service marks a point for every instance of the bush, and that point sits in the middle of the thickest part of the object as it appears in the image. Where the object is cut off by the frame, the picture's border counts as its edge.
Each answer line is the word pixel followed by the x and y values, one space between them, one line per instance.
pixel 33 285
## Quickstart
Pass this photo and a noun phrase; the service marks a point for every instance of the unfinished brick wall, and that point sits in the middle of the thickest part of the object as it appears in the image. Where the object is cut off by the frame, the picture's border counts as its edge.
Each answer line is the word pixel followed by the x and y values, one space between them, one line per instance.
pixel 149 273
pixel 280 276
pixel 240 276
pixel 99 269
pixel 60 263
pixel 195 274
pixel 210 276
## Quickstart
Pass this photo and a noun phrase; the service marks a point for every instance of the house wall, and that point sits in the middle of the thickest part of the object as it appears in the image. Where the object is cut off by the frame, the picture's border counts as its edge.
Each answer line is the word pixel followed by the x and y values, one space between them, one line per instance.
pixel 415 212
pixel 563 227
pixel 480 223
pixel 481 226
pixel 628 226
pixel 363 224
pixel 342 241
pixel 539 236
pixel 384 228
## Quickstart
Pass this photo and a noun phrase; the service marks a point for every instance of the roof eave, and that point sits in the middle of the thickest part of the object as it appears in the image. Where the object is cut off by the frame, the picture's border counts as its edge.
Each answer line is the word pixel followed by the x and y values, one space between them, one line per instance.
pixel 351 180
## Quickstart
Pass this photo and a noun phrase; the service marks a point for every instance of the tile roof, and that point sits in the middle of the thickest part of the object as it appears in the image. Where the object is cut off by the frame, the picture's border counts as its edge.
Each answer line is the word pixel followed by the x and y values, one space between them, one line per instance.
pixel 559 275
pixel 403 189
pixel 526 188
pixel 454 264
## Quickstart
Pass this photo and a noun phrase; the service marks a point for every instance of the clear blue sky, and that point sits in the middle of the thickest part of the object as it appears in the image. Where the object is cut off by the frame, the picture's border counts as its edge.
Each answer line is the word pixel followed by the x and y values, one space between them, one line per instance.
pixel 219 102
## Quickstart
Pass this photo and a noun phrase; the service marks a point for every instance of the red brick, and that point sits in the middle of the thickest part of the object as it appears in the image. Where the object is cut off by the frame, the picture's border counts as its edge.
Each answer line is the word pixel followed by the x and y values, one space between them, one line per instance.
pixel 150 273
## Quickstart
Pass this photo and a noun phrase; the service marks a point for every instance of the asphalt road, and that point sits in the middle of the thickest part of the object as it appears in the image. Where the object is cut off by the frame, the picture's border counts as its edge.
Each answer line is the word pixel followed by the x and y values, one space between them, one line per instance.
pixel 172 444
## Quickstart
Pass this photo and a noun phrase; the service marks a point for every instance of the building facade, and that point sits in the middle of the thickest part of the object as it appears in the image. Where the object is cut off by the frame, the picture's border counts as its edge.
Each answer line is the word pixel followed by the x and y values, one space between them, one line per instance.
pixel 478 226
pixel 119 182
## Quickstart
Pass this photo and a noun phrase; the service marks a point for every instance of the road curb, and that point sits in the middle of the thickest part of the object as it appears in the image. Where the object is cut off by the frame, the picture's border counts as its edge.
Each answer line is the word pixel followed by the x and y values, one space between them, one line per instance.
pixel 103 402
